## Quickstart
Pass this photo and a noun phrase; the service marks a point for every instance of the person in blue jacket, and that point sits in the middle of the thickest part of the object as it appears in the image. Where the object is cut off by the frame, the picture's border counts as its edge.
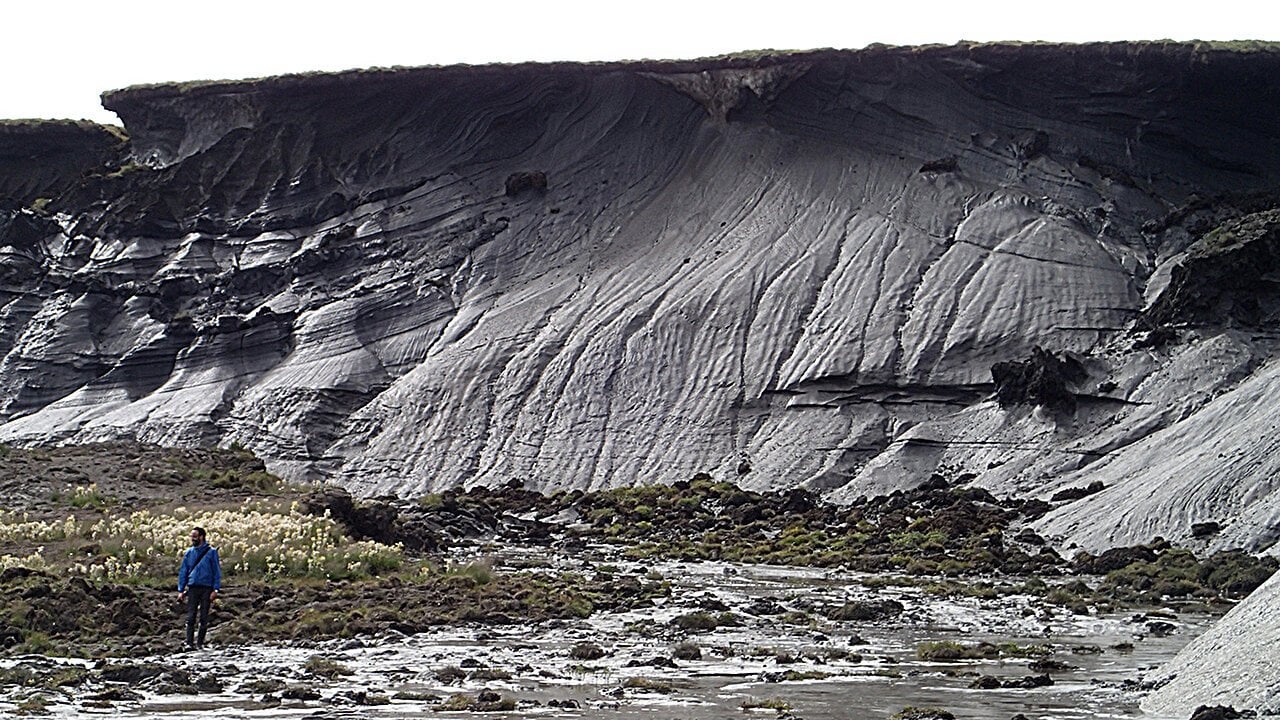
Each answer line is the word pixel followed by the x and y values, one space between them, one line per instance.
pixel 199 579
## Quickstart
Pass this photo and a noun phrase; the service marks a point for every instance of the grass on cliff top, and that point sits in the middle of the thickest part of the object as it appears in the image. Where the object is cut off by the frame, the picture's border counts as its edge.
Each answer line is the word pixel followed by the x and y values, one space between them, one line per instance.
pixel 24 127
pixel 111 98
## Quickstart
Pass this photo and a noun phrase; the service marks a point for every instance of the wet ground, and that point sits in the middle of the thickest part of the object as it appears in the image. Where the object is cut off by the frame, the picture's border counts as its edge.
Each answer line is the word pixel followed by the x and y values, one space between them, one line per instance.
pixel 818 668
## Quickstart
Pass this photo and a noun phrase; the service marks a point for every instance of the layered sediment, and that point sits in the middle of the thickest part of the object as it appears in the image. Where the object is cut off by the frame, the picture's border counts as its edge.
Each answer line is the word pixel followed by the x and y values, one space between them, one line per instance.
pixel 784 270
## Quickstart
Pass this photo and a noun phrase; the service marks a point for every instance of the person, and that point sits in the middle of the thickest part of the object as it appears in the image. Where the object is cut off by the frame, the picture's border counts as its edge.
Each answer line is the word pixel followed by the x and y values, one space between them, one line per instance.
pixel 199 579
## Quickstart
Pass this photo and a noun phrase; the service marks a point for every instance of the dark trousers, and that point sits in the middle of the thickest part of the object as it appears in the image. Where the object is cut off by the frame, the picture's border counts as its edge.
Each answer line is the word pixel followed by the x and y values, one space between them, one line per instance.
pixel 197 602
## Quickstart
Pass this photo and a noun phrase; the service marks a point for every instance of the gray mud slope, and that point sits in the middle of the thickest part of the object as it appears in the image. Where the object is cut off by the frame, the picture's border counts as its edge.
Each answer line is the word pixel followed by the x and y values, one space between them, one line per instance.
pixel 792 269
pixel 1237 662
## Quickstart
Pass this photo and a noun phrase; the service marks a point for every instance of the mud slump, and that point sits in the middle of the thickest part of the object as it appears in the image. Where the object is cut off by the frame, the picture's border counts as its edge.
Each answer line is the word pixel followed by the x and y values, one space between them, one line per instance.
pixel 731 639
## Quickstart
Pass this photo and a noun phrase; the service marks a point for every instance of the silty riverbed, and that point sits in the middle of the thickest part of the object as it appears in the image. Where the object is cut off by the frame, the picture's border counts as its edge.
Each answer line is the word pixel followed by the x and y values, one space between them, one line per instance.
pixel 730 636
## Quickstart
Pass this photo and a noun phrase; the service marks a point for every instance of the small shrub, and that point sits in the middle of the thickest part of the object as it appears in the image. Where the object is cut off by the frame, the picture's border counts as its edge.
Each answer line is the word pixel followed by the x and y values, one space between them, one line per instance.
pixel 450 674
pixel 36 643
pixel 687 651
pixel 480 572
pixel 1235 573
pixel 947 650
pixel 696 622
pixel 88 496
pixel 34 705
pixel 1012 649
pixel 325 667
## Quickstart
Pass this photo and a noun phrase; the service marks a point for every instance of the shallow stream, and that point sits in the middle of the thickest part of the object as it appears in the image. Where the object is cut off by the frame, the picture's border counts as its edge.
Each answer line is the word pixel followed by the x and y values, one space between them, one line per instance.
pixel 853 670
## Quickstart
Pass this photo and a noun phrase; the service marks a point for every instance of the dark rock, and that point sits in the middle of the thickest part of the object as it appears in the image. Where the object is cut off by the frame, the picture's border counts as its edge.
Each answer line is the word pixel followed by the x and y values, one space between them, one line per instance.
pixel 941 165
pixel 1086 650
pixel 656 661
pixel 1160 628
pixel 1156 338
pixel 208 683
pixel 985 682
pixel 1028 536
pixel 1217 712
pixel 1029 682
pixel 366 698
pixel 1113 559
pixel 915 713
pixel 1076 493
pixel 382 520
pixel 300 692
pixel 1205 529
pixel 131 673
pixel 1046 379
pixel 1034 509
pixel 450 674
pixel 334 500
pixel 1048 665
pixel 526 181
pixel 11 574
pixel 9 635
pixel 587 651
pixel 764 606
pixel 261 685
pixel 866 610
pixel 1227 275
pixel 712 603
pixel 115 694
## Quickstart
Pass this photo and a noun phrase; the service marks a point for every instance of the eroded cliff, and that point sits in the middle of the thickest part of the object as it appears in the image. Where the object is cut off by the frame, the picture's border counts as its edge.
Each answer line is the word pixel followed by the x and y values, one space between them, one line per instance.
pixel 793 269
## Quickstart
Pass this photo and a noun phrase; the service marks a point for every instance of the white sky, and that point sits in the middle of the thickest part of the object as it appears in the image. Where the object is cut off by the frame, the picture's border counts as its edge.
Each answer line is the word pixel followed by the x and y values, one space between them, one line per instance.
pixel 58 55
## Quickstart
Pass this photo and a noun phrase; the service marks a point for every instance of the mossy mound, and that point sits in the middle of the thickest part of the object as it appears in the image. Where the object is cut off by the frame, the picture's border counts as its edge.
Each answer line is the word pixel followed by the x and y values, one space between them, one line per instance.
pixel 933 529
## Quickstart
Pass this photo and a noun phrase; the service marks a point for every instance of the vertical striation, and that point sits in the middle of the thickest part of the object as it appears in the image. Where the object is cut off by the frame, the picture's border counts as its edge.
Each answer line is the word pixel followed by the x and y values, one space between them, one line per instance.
pixel 790 269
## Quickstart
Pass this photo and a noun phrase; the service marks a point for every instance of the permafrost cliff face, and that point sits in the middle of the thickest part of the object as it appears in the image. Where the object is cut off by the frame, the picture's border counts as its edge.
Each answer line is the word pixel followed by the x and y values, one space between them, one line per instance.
pixel 782 270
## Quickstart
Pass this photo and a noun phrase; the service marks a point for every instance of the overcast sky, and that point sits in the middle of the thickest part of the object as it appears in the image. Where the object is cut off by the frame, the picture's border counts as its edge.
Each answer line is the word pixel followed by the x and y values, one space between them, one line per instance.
pixel 58 55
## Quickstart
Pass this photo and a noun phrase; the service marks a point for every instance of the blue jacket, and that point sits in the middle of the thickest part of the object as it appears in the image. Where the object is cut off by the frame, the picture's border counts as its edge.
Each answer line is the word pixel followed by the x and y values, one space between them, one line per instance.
pixel 207 572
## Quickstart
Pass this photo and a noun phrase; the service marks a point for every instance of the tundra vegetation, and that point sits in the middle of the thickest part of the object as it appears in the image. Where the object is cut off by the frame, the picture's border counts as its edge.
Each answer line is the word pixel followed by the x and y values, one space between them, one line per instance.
pixel 102 528
pixel 108 550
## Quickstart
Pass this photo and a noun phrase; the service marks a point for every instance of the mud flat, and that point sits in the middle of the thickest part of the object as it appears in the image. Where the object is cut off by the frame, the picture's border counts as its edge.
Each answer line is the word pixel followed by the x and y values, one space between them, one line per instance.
pixel 729 636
